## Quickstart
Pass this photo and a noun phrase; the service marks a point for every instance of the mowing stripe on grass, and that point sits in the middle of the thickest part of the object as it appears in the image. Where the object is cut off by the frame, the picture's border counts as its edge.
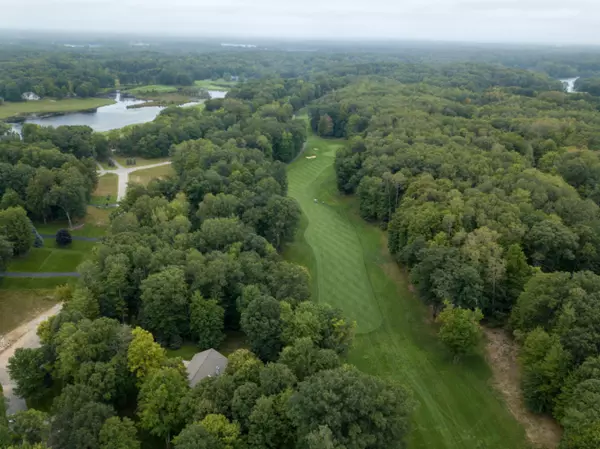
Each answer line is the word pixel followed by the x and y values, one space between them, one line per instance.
pixel 457 408
pixel 342 280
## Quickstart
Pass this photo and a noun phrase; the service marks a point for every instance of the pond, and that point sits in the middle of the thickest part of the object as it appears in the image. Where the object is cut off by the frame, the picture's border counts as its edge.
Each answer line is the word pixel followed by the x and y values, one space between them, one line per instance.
pixel 109 117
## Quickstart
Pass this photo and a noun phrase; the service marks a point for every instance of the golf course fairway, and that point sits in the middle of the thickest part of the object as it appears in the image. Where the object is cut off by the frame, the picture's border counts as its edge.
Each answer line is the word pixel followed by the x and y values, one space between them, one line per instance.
pixel 456 406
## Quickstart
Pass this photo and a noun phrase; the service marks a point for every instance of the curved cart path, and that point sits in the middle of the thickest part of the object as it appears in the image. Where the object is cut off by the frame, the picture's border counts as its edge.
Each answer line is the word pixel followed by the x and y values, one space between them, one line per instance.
pixel 24 336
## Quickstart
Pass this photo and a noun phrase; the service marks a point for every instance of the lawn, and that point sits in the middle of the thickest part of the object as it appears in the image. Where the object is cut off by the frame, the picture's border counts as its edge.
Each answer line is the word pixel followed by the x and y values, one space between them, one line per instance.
pixel 152 89
pixel 106 191
pixel 52 258
pixel 19 306
pixel 47 106
pixel 219 84
pixel 139 161
pixel 94 224
pixel 145 176
pixel 350 267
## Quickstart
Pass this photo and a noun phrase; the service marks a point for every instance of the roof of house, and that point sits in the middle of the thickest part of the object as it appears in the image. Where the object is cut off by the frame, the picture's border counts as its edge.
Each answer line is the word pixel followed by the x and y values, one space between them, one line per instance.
pixel 204 364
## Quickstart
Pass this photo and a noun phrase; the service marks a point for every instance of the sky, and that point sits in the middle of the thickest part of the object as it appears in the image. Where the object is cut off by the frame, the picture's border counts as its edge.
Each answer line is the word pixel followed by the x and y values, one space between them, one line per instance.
pixel 514 21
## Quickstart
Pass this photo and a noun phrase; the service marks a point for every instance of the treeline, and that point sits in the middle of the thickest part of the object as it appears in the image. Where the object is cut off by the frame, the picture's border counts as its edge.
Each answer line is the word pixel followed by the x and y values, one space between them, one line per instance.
pixel 191 264
pixel 254 117
pixel 61 72
pixel 452 174
pixel 41 183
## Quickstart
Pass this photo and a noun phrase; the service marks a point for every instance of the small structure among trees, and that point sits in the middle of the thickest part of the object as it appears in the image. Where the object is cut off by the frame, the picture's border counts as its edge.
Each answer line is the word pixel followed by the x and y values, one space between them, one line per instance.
pixel 204 364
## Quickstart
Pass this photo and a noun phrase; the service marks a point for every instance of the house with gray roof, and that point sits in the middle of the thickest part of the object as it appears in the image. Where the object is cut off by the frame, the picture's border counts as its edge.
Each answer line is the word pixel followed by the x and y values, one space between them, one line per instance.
pixel 207 363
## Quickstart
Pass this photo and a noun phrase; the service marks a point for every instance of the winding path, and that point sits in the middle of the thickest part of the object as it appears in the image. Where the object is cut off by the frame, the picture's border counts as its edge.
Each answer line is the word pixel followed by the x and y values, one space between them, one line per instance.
pixel 123 174
pixel 24 336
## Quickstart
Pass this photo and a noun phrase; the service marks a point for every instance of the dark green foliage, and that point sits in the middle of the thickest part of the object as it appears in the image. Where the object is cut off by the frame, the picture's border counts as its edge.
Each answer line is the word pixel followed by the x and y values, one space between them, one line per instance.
pixel 261 322
pixel 360 410
pixel 28 370
pixel 206 322
pixel 30 426
pixel 77 419
pixel 16 228
pixel 63 237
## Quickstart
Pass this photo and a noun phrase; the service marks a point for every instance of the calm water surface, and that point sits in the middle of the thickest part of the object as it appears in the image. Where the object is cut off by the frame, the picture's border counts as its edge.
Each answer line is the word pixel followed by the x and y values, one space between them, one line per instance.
pixel 110 117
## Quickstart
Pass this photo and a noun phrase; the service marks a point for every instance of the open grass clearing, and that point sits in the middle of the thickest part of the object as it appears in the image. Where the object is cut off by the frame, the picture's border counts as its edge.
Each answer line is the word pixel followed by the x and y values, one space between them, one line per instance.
pixel 27 283
pixel 52 258
pixel 457 406
pixel 145 176
pixel 152 88
pixel 234 340
pixel 106 191
pixel 20 306
pixel 49 106
pixel 219 84
pixel 140 161
pixel 94 224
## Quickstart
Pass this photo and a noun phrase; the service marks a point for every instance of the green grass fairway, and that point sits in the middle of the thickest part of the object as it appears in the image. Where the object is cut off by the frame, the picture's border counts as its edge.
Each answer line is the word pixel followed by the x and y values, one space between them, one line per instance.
pixel 457 408
pixel 219 84
pixel 47 106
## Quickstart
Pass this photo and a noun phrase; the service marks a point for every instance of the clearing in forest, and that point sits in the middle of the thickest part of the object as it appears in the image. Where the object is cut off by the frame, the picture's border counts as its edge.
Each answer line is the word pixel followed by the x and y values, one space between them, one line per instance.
pixel 456 404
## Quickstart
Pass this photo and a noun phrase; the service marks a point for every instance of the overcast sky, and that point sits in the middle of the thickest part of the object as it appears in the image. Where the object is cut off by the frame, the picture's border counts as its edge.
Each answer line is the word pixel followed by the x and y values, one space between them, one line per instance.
pixel 545 21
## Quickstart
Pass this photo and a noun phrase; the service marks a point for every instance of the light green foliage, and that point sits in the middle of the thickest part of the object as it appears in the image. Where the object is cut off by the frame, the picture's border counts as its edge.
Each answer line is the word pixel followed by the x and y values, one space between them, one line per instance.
pixel 545 364
pixel 459 329
pixel 158 402
pixel 225 432
pixel 144 355
pixel 244 366
pixel 117 433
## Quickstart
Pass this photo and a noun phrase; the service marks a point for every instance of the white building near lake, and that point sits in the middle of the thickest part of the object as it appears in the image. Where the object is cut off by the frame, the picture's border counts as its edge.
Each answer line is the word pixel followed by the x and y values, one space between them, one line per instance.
pixel 30 96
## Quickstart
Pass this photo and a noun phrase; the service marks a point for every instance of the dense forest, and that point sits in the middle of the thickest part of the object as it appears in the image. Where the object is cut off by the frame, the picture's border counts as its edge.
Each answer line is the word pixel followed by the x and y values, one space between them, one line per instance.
pixel 484 175
pixel 59 72
pixel 490 199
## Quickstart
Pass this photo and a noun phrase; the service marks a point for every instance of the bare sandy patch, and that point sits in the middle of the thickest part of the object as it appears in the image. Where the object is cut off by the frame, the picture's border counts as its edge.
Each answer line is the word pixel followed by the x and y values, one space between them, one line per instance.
pixel 501 354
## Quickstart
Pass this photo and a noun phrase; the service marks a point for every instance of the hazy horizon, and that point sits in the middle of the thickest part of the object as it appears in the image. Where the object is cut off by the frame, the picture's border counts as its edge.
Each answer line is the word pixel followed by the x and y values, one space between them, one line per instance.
pixel 482 21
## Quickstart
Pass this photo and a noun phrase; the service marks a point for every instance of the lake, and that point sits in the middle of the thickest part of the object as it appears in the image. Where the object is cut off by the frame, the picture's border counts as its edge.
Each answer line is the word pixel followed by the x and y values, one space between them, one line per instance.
pixel 109 117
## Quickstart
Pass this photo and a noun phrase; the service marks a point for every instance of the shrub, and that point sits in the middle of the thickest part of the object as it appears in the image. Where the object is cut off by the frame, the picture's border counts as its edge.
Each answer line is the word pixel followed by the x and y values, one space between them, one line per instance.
pixel 63 237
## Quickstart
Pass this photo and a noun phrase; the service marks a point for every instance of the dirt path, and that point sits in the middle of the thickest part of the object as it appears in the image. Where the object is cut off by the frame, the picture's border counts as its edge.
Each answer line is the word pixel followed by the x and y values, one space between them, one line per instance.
pixel 123 174
pixel 501 352
pixel 22 337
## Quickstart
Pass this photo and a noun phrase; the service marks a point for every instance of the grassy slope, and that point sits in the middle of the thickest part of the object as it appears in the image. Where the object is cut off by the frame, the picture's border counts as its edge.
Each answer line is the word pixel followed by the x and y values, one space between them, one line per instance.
pixel 52 258
pixel 19 306
pixel 94 224
pixel 456 406
pixel 145 176
pixel 108 185
pixel 47 106
pixel 220 84
pixel 139 161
